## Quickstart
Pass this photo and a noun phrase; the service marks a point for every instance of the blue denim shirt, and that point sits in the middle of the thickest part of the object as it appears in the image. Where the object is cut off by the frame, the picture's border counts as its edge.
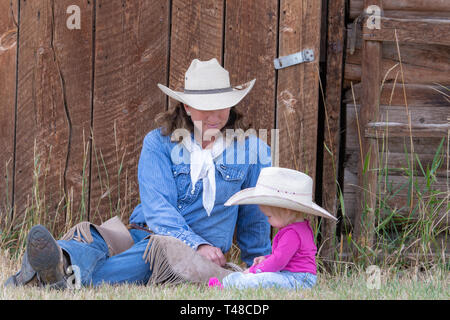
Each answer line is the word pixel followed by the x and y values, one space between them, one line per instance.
pixel 170 206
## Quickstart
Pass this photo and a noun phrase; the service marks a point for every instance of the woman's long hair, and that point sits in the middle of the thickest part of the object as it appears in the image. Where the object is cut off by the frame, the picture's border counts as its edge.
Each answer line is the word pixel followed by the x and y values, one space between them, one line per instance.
pixel 177 118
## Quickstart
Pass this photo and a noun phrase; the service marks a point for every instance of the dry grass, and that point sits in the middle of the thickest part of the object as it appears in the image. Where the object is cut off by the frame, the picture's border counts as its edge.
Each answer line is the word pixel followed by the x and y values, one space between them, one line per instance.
pixel 348 284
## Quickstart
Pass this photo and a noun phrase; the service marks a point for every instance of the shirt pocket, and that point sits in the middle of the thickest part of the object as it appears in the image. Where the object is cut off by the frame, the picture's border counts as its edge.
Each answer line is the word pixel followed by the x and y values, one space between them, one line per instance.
pixel 181 174
pixel 229 181
pixel 231 173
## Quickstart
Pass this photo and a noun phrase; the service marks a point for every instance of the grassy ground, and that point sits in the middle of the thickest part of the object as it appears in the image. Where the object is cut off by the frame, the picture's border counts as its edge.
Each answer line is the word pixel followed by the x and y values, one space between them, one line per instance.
pixel 428 285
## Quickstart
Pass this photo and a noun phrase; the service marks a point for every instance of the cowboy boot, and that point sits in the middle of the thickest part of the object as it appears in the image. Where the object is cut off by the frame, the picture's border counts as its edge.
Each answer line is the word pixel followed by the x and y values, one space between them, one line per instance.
pixel 25 276
pixel 46 257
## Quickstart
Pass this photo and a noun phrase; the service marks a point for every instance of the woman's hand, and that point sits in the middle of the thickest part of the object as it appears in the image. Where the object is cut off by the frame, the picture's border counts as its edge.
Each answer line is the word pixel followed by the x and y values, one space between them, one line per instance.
pixel 211 253
pixel 258 260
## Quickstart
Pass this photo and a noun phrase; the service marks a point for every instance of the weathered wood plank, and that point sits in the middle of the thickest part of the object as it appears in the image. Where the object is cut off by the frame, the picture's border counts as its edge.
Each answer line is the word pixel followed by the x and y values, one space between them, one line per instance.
pixel 190 19
pixel 395 161
pixel 8 64
pixel 431 56
pixel 401 5
pixel 73 49
pixel 54 85
pixel 395 151
pixel 250 47
pixel 297 90
pixel 407 14
pixel 419 115
pixel 421 64
pixel 394 193
pixel 412 74
pixel 332 134
pixel 395 129
pixel 131 54
pixel 419 96
pixel 428 31
pixel 429 7
pixel 370 101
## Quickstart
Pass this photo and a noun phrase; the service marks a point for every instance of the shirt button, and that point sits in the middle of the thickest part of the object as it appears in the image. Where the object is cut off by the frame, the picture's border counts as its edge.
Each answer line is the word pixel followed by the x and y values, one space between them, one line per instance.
pixel 192 191
pixel 228 177
pixel 179 206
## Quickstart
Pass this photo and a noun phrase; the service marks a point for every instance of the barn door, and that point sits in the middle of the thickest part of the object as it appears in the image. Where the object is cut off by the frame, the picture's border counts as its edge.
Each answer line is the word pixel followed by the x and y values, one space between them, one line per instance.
pixel 298 85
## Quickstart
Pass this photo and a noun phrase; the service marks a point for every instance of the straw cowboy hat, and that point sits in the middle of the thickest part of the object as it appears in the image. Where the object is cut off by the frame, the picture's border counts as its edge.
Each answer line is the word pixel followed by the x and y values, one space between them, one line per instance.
pixel 284 188
pixel 207 87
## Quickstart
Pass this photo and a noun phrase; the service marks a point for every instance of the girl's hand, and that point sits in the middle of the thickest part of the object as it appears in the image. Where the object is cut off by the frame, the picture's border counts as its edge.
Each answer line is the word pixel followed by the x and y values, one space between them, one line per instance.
pixel 246 271
pixel 258 260
pixel 211 253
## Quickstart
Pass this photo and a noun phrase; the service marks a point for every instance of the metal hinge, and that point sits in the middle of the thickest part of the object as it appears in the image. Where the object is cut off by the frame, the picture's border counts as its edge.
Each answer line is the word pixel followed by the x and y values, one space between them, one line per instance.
pixel 306 55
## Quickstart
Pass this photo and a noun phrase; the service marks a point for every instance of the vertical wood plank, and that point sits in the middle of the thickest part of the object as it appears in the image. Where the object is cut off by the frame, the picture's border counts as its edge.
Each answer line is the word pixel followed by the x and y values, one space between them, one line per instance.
pixel 131 50
pixel 8 64
pixel 250 47
pixel 370 102
pixel 298 86
pixel 197 32
pixel 335 57
pixel 54 85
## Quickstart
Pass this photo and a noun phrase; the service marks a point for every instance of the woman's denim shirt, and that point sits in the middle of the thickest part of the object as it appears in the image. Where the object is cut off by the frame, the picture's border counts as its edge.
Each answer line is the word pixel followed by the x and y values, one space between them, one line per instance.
pixel 170 206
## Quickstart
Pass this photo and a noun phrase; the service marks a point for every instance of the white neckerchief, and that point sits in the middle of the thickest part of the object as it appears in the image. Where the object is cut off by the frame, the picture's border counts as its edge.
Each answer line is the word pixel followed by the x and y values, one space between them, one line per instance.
pixel 203 167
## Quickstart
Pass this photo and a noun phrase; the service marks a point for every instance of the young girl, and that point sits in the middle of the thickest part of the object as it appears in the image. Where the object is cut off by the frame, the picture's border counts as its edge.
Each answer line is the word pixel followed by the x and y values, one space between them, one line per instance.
pixel 285 197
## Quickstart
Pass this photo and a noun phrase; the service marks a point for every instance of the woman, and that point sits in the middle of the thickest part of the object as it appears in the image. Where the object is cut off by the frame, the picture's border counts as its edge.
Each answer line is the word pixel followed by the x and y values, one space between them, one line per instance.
pixel 183 187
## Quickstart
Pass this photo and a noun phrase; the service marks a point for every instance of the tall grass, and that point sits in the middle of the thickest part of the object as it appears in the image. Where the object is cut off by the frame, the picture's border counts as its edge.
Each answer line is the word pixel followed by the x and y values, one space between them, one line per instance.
pixel 413 234
pixel 60 212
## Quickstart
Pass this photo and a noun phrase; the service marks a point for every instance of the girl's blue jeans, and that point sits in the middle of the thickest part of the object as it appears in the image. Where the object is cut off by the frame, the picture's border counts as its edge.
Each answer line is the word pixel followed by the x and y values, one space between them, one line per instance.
pixel 96 267
pixel 282 279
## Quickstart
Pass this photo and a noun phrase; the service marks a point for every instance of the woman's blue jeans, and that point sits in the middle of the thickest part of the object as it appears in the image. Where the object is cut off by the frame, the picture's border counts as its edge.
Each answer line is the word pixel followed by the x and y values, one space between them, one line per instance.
pixel 96 267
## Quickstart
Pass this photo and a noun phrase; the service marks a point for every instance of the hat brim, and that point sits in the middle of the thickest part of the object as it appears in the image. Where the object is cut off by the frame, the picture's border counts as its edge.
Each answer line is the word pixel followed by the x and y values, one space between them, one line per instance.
pixel 252 196
pixel 213 101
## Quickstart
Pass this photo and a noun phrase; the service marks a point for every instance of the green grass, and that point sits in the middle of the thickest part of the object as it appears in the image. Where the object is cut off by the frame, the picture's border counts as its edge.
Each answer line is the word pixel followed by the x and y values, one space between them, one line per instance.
pixel 348 284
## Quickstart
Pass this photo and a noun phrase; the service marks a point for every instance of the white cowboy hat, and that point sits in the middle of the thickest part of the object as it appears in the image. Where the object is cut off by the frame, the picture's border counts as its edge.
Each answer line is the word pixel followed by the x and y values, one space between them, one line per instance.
pixel 207 87
pixel 283 188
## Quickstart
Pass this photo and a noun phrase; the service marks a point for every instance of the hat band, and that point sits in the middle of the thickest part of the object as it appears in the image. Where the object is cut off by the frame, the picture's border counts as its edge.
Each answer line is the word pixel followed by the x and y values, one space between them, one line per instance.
pixel 308 194
pixel 208 91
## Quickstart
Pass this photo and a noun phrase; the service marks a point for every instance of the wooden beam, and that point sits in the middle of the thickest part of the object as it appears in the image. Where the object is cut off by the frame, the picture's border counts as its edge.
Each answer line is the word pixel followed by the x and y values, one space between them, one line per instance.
pixel 8 65
pixel 250 47
pixel 394 129
pixel 429 7
pixel 131 57
pixel 297 89
pixel 334 75
pixel 428 31
pixel 186 42
pixel 423 95
pixel 53 111
pixel 367 178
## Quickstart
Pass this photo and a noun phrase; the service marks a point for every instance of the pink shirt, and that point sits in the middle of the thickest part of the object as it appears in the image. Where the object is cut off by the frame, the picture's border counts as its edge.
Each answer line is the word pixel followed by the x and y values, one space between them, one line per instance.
pixel 293 249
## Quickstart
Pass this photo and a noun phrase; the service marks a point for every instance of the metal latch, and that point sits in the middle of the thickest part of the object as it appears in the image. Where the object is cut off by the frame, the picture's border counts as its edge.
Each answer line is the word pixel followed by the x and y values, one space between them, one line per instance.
pixel 306 55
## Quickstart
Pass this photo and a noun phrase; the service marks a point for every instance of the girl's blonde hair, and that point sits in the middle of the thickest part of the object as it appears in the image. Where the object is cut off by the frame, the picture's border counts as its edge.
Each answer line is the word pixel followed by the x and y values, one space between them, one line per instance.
pixel 295 215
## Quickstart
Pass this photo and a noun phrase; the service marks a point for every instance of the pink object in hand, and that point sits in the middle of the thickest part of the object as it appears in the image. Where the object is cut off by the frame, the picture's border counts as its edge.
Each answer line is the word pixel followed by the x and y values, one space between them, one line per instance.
pixel 214 282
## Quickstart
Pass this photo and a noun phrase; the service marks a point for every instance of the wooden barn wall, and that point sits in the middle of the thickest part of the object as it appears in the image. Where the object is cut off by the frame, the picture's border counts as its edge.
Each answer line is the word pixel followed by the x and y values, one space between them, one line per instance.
pixel 426 71
pixel 75 105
